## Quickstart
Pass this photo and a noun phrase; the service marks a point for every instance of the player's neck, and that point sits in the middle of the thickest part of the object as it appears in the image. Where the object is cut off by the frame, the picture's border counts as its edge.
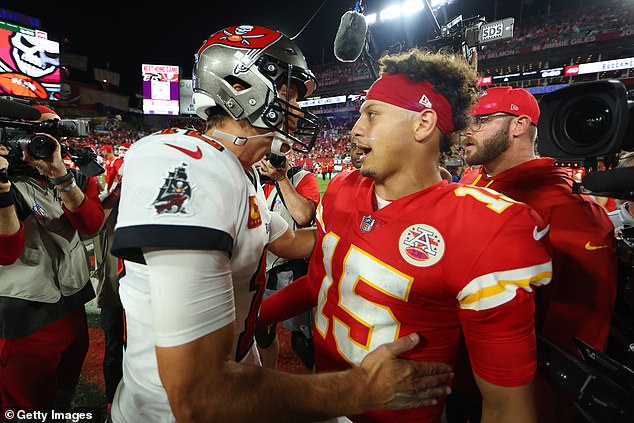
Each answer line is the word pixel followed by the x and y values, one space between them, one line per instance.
pixel 405 183
pixel 248 153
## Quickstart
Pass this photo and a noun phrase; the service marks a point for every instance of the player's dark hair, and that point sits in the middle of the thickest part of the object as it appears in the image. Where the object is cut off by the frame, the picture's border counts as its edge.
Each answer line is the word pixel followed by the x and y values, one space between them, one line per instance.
pixel 449 73
pixel 216 116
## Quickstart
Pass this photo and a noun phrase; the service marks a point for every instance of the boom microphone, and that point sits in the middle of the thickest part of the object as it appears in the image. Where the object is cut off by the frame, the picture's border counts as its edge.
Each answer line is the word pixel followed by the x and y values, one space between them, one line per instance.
pixel 620 179
pixel 14 110
pixel 350 38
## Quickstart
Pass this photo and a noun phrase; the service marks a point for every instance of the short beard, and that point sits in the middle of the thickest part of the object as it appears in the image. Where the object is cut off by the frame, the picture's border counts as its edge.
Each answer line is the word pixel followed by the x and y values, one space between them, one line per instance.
pixel 367 172
pixel 490 149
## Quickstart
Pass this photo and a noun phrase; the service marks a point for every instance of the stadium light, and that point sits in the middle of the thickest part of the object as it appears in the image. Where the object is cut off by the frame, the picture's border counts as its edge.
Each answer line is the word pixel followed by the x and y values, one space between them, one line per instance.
pixel 391 12
pixel 412 6
pixel 406 8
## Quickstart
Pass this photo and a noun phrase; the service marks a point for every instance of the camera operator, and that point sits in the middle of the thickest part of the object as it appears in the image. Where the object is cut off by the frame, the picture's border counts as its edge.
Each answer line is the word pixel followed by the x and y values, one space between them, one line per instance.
pixel 580 300
pixel 293 193
pixel 44 277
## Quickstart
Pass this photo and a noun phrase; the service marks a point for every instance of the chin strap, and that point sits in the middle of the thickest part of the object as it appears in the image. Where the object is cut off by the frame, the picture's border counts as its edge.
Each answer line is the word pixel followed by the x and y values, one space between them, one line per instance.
pixel 281 145
pixel 277 146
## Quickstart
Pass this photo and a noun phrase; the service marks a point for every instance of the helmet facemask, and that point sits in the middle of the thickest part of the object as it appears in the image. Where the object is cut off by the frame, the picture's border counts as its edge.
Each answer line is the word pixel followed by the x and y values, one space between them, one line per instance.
pixel 281 111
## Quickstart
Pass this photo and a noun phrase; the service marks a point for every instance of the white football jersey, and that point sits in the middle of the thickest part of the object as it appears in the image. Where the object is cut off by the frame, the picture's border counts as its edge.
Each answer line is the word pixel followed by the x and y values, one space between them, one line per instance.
pixel 184 190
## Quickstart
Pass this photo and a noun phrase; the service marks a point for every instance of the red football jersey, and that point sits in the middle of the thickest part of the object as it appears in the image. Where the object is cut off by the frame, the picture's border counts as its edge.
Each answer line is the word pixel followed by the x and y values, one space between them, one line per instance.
pixel 112 167
pixel 407 268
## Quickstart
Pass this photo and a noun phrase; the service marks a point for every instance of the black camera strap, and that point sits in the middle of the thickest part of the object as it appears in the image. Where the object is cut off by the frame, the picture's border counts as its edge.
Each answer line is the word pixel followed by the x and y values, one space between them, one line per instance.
pixel 80 179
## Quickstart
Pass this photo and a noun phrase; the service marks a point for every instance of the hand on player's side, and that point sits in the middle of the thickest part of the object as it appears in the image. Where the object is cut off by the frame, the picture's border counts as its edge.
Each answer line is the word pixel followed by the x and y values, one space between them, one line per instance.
pixel 396 383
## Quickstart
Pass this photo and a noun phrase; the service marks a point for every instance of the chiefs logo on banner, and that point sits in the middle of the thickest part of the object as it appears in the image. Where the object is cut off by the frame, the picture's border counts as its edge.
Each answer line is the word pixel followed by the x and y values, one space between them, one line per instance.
pixel 243 36
pixel 255 219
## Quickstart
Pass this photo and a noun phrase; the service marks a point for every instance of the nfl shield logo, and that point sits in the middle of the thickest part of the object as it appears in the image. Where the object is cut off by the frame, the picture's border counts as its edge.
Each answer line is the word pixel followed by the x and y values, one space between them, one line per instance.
pixel 366 223
pixel 38 210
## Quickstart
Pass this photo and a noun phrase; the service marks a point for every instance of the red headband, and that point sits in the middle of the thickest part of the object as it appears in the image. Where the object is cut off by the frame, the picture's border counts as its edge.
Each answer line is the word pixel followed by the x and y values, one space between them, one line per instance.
pixel 397 89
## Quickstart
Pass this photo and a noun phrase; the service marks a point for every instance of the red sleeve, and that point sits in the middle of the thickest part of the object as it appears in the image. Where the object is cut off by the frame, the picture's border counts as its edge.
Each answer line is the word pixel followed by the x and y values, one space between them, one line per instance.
pixel 116 165
pixel 293 299
pixel 309 188
pixel 87 219
pixel 11 246
pixel 501 341
pixel 497 305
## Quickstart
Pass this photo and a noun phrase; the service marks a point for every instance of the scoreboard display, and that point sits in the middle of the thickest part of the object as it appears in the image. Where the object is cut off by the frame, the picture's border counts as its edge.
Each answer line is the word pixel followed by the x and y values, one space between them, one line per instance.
pixel 160 89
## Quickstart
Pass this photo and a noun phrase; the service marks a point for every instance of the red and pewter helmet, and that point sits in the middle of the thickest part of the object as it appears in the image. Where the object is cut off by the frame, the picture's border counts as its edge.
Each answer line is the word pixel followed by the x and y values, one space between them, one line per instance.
pixel 261 60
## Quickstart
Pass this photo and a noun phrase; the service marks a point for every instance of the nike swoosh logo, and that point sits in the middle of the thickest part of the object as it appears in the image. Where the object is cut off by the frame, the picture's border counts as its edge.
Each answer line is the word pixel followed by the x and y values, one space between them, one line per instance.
pixel 591 247
pixel 540 234
pixel 196 154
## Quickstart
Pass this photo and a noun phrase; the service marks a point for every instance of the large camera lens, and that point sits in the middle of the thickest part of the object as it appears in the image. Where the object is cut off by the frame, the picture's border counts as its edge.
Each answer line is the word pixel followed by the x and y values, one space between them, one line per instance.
pixel 584 122
pixel 38 146
pixel 588 121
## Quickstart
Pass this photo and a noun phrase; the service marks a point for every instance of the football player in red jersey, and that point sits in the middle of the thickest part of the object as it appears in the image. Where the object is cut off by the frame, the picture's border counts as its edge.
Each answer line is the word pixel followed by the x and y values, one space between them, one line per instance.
pixel 391 258
pixel 580 301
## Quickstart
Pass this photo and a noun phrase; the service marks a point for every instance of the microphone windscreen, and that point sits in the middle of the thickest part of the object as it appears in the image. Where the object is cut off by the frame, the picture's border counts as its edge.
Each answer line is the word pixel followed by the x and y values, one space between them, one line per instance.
pixel 619 179
pixel 14 110
pixel 350 37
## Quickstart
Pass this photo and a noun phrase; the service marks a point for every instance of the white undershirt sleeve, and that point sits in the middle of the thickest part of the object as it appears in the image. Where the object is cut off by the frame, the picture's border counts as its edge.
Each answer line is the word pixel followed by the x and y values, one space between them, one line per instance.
pixel 191 293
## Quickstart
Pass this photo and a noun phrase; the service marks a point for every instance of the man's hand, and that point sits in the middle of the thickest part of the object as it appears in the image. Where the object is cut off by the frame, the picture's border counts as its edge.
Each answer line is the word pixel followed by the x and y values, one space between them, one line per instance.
pixel 395 383
pixel 267 169
pixel 53 167
pixel 112 199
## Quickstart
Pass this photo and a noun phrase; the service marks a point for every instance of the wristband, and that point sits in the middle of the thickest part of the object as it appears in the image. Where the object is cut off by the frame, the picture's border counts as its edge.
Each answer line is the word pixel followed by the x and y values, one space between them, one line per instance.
pixel 65 178
pixel 70 186
pixel 6 199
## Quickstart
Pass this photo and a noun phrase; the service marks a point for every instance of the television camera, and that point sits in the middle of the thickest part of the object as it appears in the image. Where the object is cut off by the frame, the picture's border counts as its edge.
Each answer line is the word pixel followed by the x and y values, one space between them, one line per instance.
pixel 468 35
pixel 20 135
pixel 582 125
pixel 586 124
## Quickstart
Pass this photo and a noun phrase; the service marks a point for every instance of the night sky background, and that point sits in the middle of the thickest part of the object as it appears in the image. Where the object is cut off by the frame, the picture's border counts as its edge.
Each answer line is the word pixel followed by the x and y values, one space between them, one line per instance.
pixel 121 35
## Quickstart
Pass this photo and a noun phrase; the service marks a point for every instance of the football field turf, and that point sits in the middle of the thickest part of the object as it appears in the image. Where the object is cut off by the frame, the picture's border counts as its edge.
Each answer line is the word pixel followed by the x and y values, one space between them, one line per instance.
pixel 322 184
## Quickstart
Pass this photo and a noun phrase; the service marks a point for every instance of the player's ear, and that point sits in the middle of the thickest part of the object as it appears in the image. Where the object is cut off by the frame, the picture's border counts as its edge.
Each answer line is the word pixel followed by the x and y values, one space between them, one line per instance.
pixel 425 123
pixel 519 125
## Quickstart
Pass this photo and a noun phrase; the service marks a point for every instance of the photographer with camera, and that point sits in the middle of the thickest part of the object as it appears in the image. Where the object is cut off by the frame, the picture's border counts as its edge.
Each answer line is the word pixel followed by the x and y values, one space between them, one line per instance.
pixel 293 193
pixel 44 274
pixel 580 300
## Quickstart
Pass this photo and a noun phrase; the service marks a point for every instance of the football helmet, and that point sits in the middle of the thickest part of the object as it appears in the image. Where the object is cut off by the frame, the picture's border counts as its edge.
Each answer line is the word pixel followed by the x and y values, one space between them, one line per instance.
pixel 261 60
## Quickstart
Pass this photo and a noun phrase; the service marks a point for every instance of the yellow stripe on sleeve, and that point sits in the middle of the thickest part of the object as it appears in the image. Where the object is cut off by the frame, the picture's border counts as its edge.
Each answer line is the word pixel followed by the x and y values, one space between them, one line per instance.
pixel 494 289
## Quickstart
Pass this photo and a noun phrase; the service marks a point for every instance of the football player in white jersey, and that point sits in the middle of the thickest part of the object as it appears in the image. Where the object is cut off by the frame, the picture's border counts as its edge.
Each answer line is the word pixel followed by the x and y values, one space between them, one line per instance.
pixel 194 229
